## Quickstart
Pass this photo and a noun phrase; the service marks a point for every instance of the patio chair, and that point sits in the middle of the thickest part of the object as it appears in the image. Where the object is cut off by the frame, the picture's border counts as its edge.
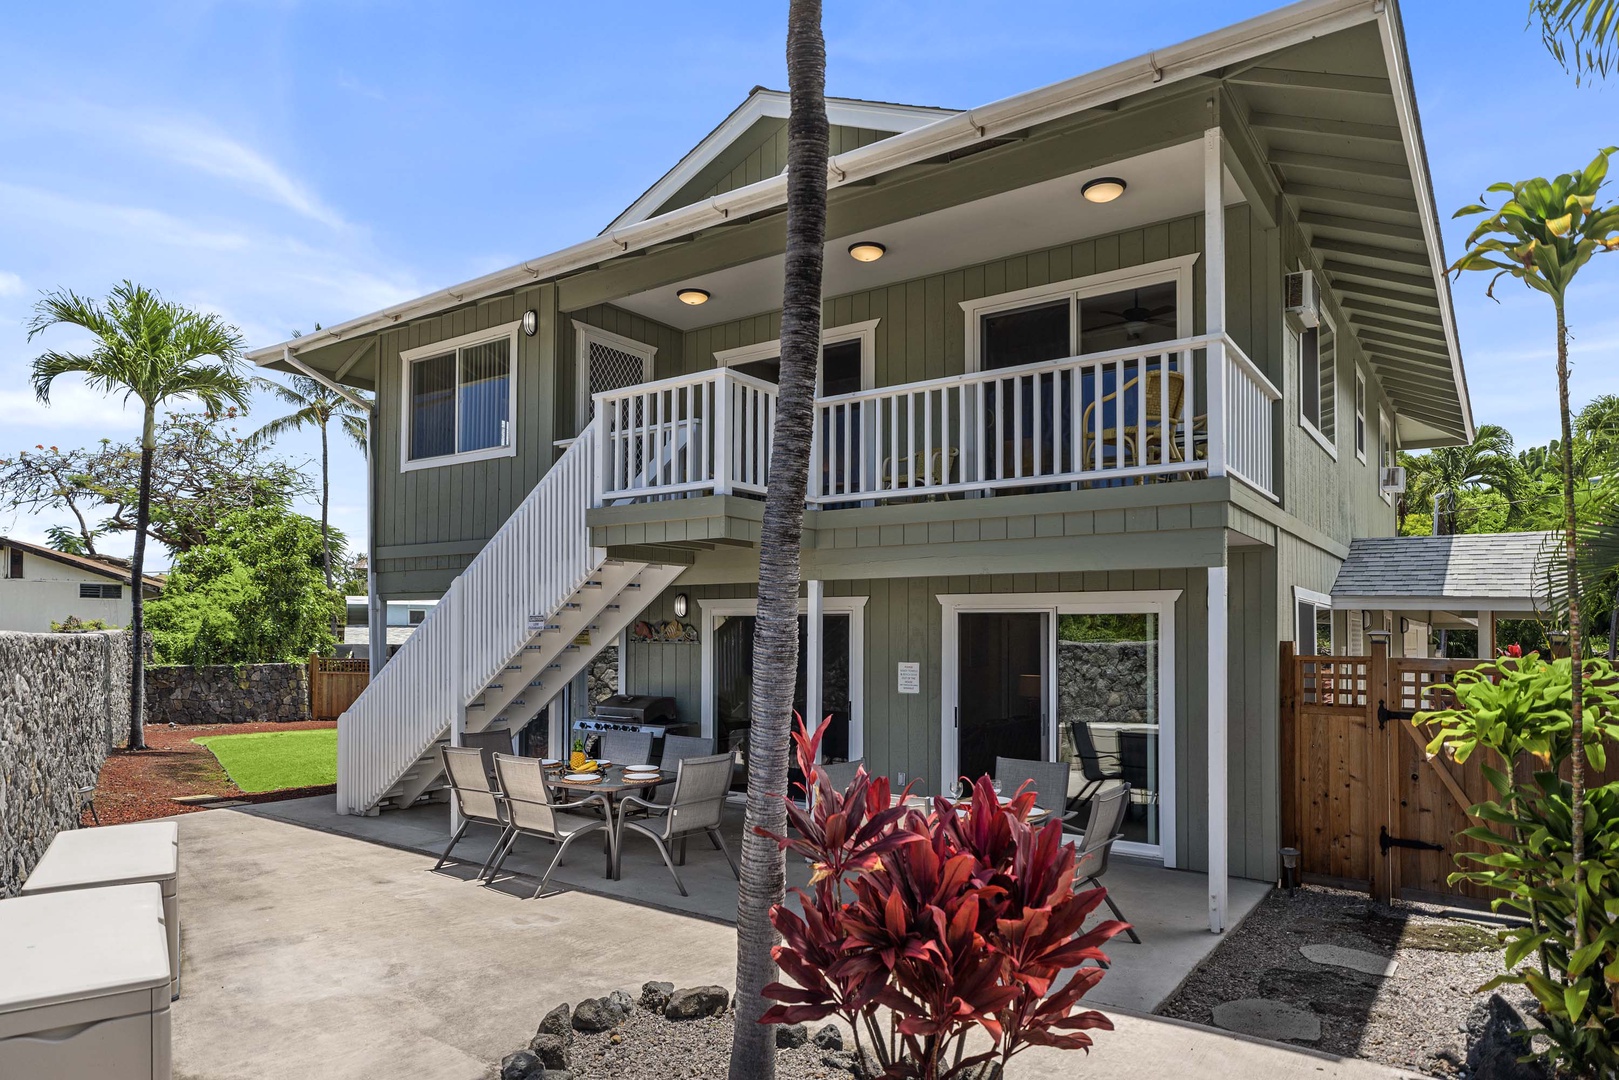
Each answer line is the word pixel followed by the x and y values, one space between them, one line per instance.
pixel 1153 420
pixel 1105 825
pixel 696 806
pixel 677 748
pixel 842 773
pixel 476 797
pixel 531 812
pixel 491 743
pixel 1096 767
pixel 1048 778
pixel 625 747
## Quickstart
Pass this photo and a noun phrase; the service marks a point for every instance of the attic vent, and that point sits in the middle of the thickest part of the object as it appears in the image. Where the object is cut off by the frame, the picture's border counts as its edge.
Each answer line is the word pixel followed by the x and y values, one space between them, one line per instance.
pixel 1393 480
pixel 1301 300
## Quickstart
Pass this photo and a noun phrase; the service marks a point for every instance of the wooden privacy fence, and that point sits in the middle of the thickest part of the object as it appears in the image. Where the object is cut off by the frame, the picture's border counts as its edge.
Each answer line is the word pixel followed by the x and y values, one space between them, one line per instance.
pixel 1362 801
pixel 334 684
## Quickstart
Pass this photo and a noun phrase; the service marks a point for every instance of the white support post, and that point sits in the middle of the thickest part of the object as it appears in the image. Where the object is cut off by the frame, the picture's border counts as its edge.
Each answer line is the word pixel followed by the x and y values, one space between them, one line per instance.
pixel 623 663
pixel 1214 294
pixel 458 667
pixel 598 441
pixel 814 647
pixel 1486 635
pixel 1218 747
pixel 724 392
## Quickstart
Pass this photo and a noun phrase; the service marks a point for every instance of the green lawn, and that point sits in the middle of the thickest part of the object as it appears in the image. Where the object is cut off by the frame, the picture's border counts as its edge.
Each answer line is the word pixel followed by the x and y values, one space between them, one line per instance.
pixel 273 760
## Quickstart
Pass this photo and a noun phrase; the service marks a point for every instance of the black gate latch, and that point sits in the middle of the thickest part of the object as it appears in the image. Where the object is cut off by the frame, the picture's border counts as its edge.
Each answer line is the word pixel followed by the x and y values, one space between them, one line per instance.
pixel 1385 841
pixel 1385 714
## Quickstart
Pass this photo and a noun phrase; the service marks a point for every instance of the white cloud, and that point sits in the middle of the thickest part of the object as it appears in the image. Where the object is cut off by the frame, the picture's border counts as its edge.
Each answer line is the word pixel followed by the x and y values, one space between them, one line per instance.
pixel 10 284
pixel 36 208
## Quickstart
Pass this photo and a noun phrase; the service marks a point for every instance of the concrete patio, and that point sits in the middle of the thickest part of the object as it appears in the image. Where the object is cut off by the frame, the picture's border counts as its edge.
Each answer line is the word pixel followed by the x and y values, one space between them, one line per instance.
pixel 314 956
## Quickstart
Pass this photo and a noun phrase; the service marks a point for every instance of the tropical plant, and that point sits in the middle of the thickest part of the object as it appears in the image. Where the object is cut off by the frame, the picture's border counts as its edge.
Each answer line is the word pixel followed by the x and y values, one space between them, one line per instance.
pixel 1542 235
pixel 1518 716
pixel 156 352
pixel 1439 477
pixel 925 930
pixel 775 637
pixel 1582 34
pixel 255 594
pixel 316 405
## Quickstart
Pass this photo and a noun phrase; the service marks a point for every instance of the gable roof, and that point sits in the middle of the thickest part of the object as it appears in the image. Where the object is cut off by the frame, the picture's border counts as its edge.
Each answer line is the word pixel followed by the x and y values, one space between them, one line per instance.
pixel 760 104
pixel 99 567
pixel 1476 571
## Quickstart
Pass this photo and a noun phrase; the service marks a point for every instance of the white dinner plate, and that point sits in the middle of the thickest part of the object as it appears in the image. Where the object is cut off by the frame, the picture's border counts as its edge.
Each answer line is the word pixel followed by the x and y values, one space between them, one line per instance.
pixel 550 761
pixel 582 777
pixel 650 774
pixel 603 762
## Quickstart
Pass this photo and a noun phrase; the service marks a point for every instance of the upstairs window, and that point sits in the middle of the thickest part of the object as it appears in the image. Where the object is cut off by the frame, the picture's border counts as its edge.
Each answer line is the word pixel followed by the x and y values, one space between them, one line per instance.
pixel 1312 634
pixel 1360 416
pixel 1386 451
pixel 14 563
pixel 460 400
pixel 1318 383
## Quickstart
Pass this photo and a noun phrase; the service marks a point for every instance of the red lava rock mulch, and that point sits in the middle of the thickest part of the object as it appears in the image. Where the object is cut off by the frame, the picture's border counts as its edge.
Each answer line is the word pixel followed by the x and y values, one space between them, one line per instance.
pixel 135 786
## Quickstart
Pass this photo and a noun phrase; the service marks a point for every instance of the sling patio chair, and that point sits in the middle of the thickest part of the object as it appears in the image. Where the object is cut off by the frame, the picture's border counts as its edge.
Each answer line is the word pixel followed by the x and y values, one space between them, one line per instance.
pixel 625 747
pixel 677 748
pixel 1095 765
pixel 476 796
pixel 530 811
pixel 1105 826
pixel 697 805
pixel 1049 780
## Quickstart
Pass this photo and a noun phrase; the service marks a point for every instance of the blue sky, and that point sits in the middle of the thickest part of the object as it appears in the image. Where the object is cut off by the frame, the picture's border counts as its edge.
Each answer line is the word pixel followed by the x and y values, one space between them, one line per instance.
pixel 285 163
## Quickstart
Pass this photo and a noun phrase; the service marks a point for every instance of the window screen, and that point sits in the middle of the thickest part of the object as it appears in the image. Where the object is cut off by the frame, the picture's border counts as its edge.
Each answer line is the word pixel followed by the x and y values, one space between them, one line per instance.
pixel 101 592
pixel 1027 335
pixel 432 407
pixel 461 401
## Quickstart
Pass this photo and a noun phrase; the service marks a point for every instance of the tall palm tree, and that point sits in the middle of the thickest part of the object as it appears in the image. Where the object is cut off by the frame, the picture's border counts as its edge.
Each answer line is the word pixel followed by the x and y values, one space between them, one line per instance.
pixel 775 636
pixel 1542 235
pixel 156 351
pixel 315 405
pixel 1439 476
pixel 1582 34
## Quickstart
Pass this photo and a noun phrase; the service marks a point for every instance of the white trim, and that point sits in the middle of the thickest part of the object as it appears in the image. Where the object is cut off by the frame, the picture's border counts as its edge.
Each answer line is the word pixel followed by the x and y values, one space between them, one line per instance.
pixel 1361 435
pixel 583 335
pixel 1319 600
pixel 772 104
pixel 1270 32
pixel 852 606
pixel 1219 745
pixel 864 332
pixel 1386 430
pixel 454 346
pixel 1177 270
pixel 1158 602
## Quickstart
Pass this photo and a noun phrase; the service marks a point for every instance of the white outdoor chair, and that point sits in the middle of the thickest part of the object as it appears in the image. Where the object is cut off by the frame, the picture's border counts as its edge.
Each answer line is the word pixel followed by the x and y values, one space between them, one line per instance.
pixel 697 805
pixel 476 797
pixel 531 812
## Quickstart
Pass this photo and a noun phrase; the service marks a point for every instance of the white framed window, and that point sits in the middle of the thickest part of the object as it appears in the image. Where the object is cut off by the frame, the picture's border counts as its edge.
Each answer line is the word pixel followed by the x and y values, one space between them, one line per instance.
pixel 606 361
pixel 1115 310
pixel 89 591
pixel 848 358
pixel 1386 449
pixel 460 399
pixel 1312 629
pixel 1360 416
pixel 1315 353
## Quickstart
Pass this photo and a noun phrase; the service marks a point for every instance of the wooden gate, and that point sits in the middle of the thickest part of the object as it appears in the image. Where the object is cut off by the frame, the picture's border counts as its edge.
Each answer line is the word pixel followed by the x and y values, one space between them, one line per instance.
pixel 334 684
pixel 1362 801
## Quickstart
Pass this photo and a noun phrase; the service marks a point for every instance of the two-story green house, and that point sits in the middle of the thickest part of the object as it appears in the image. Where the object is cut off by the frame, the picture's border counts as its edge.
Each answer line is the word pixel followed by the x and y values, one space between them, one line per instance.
pixel 1113 372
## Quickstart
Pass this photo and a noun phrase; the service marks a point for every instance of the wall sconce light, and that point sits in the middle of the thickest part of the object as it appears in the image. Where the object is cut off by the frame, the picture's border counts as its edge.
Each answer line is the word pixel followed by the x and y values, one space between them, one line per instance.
pixel 1405 625
pixel 1365 620
pixel 682 605
pixel 531 322
pixel 691 296
pixel 867 251
pixel 1104 189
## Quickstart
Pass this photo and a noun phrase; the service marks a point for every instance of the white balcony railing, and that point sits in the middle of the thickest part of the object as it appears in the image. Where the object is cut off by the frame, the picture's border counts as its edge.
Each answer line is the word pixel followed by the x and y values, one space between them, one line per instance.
pixel 1105 419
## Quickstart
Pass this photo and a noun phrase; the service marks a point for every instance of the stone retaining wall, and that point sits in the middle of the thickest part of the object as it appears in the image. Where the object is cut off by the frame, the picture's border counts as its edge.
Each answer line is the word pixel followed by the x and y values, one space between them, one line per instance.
pixel 1107 681
pixel 64 702
pixel 227 694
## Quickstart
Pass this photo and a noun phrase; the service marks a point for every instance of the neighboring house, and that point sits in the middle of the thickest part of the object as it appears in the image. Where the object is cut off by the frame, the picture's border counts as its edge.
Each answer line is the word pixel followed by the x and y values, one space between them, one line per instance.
pixel 40 586
pixel 1113 370
pixel 401 617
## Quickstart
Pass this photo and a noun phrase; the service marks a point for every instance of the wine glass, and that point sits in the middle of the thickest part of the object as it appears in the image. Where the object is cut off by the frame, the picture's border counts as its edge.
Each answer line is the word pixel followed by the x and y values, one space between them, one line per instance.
pixel 995 783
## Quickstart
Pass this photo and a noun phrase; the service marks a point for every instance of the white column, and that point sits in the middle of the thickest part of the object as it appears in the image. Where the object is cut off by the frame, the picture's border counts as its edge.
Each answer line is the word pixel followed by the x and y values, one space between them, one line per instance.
pixel 623 661
pixel 1218 747
pixel 814 651
pixel 1486 635
pixel 458 666
pixel 1214 293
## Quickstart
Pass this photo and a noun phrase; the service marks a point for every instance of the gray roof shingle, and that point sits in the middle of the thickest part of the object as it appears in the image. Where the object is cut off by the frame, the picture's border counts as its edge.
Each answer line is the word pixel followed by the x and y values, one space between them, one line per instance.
pixel 1478 566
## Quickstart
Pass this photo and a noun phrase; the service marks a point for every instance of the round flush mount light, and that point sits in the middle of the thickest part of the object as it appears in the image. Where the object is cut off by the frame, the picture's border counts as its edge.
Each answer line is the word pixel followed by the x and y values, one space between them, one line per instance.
pixel 1104 189
pixel 692 296
pixel 682 605
pixel 867 251
pixel 531 322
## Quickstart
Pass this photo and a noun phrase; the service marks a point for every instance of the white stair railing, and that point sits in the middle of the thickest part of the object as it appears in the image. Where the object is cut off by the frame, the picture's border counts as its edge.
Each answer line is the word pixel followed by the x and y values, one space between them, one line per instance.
pixel 526 571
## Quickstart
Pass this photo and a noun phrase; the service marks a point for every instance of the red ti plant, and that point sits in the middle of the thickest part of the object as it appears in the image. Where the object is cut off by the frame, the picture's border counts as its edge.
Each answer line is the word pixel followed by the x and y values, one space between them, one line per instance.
pixel 921 927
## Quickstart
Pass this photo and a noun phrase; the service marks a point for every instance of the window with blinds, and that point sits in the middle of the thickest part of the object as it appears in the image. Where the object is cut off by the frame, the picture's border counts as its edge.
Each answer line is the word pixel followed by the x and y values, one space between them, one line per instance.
pixel 459 400
pixel 1318 380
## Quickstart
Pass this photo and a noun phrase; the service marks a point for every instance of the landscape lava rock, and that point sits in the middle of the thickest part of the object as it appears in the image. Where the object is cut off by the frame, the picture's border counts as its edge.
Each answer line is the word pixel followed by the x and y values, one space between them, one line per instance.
pixel 558 1022
pixel 520 1066
pixel 692 1004
pixel 655 995
pixel 829 1038
pixel 791 1036
pixel 551 1049
pixel 620 1002
pixel 596 1014
pixel 1496 1045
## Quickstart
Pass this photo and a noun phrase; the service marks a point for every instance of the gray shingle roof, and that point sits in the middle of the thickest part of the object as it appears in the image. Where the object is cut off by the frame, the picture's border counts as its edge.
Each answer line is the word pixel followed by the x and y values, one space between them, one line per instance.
pixel 1474 567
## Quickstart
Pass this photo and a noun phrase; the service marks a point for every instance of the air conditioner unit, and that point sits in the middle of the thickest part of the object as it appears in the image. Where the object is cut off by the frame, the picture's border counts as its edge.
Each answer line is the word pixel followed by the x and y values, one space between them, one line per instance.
pixel 1393 480
pixel 1301 300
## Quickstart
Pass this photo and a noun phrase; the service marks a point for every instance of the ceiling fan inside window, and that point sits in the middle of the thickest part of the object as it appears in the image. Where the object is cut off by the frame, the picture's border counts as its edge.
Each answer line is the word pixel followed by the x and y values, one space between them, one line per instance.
pixel 1137 319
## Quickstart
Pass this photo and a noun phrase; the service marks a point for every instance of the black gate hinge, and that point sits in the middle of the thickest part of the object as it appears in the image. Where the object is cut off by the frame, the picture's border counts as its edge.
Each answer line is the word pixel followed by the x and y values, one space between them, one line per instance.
pixel 1385 841
pixel 1385 714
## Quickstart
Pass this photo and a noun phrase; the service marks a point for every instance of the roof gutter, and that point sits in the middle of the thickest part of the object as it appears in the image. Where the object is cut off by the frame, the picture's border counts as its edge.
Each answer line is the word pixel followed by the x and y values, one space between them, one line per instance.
pixel 1266 33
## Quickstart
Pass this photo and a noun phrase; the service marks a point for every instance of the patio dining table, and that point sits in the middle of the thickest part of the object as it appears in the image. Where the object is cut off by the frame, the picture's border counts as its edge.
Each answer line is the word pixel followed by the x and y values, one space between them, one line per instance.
pixel 1036 816
pixel 612 786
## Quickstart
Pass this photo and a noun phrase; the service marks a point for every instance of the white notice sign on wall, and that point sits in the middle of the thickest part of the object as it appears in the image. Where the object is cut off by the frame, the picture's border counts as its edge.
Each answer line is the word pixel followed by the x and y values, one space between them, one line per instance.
pixel 536 623
pixel 910 677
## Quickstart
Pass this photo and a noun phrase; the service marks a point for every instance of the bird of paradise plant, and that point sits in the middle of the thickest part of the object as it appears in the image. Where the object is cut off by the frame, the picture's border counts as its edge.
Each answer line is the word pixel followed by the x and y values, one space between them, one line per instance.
pixel 923 927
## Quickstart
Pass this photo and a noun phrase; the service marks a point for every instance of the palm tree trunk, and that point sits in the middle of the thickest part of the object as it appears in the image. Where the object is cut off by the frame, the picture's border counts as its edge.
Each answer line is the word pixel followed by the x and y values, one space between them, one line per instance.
pixel 325 503
pixel 775 640
pixel 1577 732
pixel 137 603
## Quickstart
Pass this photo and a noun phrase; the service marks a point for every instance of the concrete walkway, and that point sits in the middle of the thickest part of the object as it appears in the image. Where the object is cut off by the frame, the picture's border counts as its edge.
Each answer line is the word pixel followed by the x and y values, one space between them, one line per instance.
pixel 312 956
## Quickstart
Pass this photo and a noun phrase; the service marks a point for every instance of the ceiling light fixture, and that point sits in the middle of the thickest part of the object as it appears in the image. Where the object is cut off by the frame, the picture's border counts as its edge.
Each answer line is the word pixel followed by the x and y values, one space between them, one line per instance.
pixel 692 296
pixel 867 251
pixel 1104 189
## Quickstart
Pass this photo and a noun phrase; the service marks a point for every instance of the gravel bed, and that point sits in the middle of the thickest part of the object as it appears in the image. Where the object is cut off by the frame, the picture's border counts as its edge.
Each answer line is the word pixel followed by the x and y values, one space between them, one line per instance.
pixel 1423 1018
pixel 648 1047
